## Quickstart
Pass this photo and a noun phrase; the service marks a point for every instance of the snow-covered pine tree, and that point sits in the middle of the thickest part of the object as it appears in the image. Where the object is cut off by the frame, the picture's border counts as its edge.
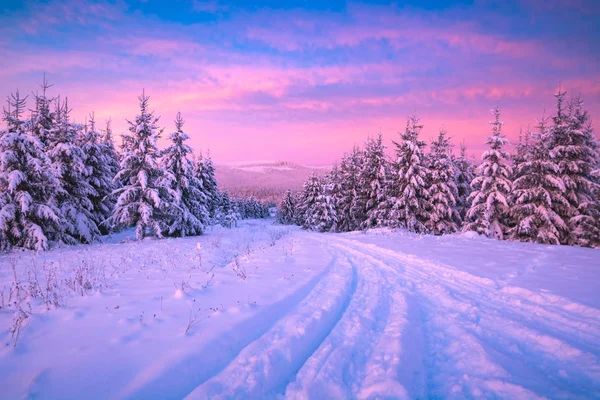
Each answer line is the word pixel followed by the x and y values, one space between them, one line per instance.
pixel 411 200
pixel 443 191
pixel 286 210
pixel 321 216
pixel 535 189
pixel 99 171
pixel 28 217
pixel 109 150
pixel 143 200
pixel 204 171
pixel 75 191
pixel 464 175
pixel 190 216
pixel 43 118
pixel 227 211
pixel 372 184
pixel 348 207
pixel 305 206
pixel 491 187
pixel 575 152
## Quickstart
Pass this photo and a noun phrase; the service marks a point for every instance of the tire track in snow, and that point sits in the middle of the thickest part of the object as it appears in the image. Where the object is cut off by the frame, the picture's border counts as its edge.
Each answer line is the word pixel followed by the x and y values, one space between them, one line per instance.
pixel 339 362
pixel 564 317
pixel 179 379
pixel 265 365
pixel 454 309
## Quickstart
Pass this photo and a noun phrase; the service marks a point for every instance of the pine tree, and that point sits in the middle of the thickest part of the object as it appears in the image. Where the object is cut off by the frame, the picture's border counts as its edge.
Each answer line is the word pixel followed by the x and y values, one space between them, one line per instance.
pixel 372 184
pixel 43 118
pixel 286 211
pixel 142 201
pixel 99 172
pixel 204 171
pixel 227 214
pixel 191 214
pixel 443 190
pixel 335 186
pixel 535 189
pixel 574 150
pixel 491 187
pixel 465 173
pixel 305 206
pixel 321 216
pixel 75 191
pixel 348 206
pixel 411 200
pixel 28 218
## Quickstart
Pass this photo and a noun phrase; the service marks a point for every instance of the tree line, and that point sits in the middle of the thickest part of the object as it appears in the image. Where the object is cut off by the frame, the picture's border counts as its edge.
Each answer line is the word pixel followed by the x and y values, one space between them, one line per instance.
pixel 547 191
pixel 65 182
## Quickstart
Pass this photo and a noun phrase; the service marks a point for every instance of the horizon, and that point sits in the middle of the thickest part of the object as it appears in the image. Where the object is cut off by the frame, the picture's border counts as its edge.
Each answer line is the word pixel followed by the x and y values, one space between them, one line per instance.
pixel 301 82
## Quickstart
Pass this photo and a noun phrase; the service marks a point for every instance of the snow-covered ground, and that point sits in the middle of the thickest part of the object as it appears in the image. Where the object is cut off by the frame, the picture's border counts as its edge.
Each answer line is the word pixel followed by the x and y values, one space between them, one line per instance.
pixel 267 311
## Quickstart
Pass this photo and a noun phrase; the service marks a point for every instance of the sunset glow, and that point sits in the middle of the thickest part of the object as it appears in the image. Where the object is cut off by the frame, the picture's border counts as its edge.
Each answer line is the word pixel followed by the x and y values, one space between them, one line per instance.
pixel 299 81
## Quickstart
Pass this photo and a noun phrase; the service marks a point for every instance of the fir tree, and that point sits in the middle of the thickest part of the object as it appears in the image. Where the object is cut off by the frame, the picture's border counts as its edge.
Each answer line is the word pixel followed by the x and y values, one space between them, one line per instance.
pixel 372 184
pixel 286 211
pixel 191 214
pixel 28 218
pixel 305 206
pixel 227 214
pixel 321 216
pixel 348 207
pixel 465 173
pixel 99 172
pixel 573 149
pixel 491 187
pixel 204 171
pixel 535 189
pixel 443 190
pixel 43 119
pixel 142 201
pixel 409 188
pixel 75 191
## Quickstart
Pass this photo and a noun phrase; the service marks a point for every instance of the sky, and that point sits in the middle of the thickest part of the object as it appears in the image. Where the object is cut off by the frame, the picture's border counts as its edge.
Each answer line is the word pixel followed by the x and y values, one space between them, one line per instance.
pixel 304 80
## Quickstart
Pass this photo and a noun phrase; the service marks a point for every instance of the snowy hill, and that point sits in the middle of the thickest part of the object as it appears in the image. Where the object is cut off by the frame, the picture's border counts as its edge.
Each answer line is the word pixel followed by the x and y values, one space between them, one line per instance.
pixel 265 180
pixel 264 311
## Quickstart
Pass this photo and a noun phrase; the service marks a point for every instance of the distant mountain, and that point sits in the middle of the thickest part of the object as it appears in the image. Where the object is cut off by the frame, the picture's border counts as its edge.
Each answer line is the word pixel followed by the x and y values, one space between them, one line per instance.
pixel 265 180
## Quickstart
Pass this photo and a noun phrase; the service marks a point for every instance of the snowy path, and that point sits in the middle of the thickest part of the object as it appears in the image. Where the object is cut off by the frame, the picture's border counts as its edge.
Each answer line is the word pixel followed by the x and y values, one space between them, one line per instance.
pixel 381 323
pixel 342 316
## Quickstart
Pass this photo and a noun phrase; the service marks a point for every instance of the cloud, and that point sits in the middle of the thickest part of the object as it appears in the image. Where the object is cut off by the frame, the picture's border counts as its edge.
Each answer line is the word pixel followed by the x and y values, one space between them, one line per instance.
pixel 294 76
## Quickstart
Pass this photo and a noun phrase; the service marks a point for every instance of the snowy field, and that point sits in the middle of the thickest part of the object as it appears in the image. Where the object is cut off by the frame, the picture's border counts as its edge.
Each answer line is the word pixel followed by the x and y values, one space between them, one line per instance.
pixel 267 311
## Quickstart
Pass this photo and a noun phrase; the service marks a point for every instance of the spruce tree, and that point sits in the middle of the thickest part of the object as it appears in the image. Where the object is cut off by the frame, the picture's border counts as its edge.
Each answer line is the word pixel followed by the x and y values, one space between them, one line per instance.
pixel 443 191
pixel 348 208
pixel 573 149
pixel 536 189
pixel 372 184
pixel 227 214
pixel 321 216
pixel 143 200
pixel 204 171
pixel 28 217
pixel 411 198
pixel 308 198
pixel 99 172
pixel 286 211
pixel 75 191
pixel 465 173
pixel 491 187
pixel 190 215
pixel 43 118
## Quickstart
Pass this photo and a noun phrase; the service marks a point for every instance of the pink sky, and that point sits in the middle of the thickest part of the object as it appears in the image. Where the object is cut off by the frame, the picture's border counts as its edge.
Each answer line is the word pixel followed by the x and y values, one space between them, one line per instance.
pixel 301 83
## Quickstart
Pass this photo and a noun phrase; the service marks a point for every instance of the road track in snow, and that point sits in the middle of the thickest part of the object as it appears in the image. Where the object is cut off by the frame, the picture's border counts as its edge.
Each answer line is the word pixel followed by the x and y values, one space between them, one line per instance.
pixel 379 323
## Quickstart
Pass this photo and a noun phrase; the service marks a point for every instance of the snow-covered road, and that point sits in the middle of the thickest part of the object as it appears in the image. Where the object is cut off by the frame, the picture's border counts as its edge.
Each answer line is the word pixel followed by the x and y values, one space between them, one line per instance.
pixel 376 315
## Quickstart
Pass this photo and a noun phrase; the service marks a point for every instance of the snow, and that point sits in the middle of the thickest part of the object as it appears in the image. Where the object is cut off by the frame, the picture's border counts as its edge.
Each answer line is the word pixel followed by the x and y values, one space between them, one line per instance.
pixel 268 311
